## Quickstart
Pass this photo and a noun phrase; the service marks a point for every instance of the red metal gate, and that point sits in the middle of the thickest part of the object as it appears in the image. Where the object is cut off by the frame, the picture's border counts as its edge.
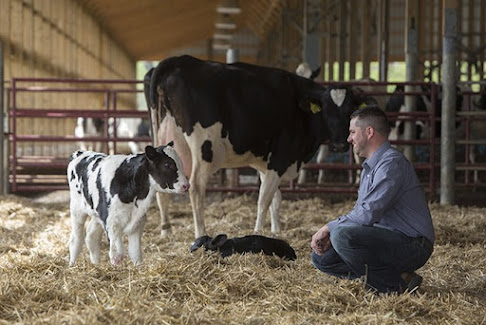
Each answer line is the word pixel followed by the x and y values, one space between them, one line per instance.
pixel 34 172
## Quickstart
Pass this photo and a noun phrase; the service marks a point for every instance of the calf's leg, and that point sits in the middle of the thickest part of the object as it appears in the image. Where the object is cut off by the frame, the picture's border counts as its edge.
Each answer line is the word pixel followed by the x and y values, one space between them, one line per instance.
pixel 77 235
pixel 93 240
pixel 117 251
pixel 135 243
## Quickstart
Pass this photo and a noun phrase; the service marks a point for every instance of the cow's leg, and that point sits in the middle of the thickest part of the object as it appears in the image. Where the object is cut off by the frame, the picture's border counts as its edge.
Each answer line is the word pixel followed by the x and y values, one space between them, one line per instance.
pixel 472 159
pixel 134 149
pixel 322 156
pixel 77 235
pixel 302 177
pixel 201 171
pixel 93 240
pixel 163 201
pixel 269 185
pixel 275 211
pixel 135 242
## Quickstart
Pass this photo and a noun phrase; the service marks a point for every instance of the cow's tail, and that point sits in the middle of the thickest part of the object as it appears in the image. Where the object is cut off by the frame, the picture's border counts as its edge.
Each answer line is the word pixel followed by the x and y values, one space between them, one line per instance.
pixel 151 105
pixel 155 107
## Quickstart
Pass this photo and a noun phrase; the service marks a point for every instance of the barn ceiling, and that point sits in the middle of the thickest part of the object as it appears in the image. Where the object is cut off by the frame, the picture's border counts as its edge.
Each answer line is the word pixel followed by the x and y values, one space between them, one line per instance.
pixel 153 29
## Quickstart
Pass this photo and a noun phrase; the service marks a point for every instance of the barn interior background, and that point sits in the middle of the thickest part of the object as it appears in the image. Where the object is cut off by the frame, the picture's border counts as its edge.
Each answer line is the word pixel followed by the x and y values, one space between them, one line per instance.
pixel 68 58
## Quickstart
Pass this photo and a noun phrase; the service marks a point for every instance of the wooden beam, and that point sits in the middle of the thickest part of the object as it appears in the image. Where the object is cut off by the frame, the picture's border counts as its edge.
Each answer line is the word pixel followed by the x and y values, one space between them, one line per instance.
pixel 365 38
pixel 352 39
pixel 342 34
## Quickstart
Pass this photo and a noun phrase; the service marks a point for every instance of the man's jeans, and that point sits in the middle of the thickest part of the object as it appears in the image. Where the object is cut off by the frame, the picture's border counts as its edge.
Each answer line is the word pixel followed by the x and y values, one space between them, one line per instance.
pixel 377 253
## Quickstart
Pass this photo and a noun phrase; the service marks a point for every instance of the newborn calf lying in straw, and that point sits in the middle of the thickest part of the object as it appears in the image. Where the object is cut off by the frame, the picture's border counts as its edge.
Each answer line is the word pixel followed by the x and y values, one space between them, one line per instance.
pixel 116 192
pixel 247 244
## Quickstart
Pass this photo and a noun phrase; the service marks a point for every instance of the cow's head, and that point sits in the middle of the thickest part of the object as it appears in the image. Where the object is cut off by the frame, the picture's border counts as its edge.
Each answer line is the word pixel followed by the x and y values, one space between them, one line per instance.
pixel 338 102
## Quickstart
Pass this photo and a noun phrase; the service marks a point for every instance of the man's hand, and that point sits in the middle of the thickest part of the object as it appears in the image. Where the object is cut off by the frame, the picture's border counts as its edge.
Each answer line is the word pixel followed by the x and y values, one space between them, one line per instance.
pixel 321 241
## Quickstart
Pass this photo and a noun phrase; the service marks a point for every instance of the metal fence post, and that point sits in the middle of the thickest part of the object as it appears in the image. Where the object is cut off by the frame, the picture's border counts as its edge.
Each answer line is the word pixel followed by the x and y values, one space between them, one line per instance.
pixel 3 155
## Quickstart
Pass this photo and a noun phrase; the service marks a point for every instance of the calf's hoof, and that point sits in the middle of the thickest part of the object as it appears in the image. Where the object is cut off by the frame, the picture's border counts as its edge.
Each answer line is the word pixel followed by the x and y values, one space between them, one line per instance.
pixel 117 260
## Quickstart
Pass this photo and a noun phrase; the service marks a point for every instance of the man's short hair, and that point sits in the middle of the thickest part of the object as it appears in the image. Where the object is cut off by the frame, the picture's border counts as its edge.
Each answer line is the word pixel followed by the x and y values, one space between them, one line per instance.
pixel 372 116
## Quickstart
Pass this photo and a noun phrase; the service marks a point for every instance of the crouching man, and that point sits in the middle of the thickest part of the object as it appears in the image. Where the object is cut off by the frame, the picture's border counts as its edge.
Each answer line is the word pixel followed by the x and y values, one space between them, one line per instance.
pixel 116 192
pixel 389 233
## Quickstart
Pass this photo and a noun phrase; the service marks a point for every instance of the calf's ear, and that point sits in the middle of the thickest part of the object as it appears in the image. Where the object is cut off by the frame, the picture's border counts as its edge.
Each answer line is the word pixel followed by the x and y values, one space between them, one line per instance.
pixel 150 152
pixel 218 241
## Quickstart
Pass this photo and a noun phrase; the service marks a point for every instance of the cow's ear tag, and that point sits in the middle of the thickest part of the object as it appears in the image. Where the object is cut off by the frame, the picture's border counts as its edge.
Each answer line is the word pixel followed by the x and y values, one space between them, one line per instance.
pixel 363 104
pixel 315 108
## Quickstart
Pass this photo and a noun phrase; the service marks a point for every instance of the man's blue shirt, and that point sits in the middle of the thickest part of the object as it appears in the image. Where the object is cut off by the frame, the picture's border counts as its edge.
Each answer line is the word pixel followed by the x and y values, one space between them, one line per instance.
pixel 390 196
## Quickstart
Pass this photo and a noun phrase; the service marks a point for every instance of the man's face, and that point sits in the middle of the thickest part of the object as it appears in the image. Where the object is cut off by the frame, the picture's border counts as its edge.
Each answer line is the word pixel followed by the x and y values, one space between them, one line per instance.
pixel 358 139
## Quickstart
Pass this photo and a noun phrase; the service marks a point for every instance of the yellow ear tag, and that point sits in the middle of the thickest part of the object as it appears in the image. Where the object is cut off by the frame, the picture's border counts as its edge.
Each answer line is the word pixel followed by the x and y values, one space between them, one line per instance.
pixel 315 108
pixel 362 105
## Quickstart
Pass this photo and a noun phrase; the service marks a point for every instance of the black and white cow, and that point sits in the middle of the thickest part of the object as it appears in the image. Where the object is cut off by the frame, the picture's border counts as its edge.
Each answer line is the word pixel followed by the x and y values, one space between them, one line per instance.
pixel 233 115
pixel 126 127
pixel 116 191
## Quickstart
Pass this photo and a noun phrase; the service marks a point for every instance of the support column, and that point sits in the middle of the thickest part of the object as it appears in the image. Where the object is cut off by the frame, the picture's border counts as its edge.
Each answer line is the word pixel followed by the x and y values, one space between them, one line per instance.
pixel 447 141
pixel 3 153
pixel 411 61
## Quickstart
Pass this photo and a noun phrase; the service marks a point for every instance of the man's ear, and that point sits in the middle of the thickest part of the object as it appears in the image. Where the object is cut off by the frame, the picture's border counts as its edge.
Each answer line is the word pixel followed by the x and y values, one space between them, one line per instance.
pixel 370 131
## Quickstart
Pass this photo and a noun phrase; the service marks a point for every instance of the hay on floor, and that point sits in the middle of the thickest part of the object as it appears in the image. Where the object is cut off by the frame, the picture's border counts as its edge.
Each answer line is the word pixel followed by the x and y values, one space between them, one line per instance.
pixel 174 286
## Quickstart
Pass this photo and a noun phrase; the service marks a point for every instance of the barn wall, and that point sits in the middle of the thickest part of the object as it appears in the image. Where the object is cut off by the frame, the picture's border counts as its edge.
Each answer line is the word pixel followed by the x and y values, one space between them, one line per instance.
pixel 58 39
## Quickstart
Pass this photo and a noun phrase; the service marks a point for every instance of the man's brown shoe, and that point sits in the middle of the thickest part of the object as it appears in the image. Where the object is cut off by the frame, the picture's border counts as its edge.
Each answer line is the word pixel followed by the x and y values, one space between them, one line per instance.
pixel 412 281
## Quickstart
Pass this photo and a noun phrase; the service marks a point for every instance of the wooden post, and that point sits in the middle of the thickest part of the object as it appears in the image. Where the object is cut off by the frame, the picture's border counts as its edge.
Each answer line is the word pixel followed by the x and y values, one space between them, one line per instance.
pixel 352 39
pixel 383 39
pixel 447 141
pixel 342 38
pixel 365 38
pixel 482 31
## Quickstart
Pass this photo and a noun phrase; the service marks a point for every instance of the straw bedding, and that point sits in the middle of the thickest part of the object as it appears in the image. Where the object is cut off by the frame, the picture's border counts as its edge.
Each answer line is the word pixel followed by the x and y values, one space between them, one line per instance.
pixel 174 286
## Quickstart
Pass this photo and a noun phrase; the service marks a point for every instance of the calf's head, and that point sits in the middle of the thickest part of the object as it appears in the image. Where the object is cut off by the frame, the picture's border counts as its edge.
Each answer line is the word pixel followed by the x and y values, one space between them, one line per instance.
pixel 209 243
pixel 165 169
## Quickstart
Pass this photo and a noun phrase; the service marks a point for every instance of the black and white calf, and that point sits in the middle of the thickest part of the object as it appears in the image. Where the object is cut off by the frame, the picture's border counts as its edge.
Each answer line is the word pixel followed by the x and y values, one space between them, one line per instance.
pixel 116 192
pixel 247 244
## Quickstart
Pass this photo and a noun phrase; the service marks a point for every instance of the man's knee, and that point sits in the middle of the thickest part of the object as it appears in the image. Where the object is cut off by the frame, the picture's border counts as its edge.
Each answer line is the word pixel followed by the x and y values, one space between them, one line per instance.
pixel 318 261
pixel 342 237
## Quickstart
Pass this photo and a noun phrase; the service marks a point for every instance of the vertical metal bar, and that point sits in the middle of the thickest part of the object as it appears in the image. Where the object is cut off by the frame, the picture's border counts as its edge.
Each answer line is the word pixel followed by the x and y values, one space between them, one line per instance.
pixel 14 136
pixel 106 118
pixel 115 135
pixel 447 162
pixel 3 158
pixel 433 96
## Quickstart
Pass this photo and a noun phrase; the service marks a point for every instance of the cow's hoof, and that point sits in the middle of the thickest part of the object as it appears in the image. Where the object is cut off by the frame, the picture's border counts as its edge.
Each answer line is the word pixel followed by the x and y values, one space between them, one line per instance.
pixel 166 233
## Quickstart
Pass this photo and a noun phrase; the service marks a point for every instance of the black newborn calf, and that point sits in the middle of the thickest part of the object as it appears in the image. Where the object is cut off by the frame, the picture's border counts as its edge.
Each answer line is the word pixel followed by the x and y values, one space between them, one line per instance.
pixel 247 244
